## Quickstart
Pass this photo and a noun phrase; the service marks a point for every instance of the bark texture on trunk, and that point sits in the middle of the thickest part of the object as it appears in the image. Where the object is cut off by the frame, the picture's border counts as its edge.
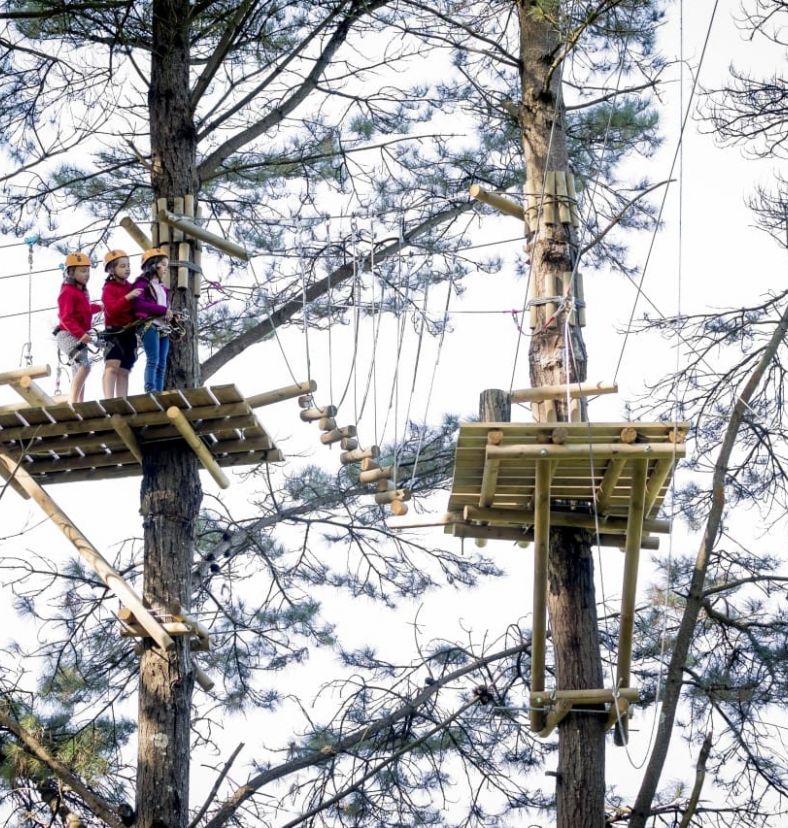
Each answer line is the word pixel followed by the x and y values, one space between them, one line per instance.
pixel 557 356
pixel 171 492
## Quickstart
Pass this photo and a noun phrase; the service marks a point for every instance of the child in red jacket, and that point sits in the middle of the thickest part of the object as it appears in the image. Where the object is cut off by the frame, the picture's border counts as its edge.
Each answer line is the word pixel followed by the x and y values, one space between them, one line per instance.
pixel 75 315
pixel 120 324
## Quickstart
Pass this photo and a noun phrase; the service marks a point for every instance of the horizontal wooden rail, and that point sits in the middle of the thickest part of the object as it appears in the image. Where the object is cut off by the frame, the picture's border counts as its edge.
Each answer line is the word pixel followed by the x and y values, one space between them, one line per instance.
pixel 599 451
pixel 560 392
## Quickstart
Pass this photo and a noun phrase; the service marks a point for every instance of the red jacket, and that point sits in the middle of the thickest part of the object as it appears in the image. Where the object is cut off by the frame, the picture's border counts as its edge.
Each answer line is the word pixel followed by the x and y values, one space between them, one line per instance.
pixel 75 310
pixel 118 311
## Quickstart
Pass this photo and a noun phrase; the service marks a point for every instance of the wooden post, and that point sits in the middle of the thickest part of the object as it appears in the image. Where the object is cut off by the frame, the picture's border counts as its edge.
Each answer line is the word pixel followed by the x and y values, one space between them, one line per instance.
pixel 100 565
pixel 541 551
pixel 197 446
pixel 637 504
pixel 136 233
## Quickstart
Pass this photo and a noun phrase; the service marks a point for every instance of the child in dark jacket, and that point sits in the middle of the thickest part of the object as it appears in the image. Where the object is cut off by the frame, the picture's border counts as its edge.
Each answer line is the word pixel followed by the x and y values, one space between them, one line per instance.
pixel 152 306
pixel 120 324
pixel 75 316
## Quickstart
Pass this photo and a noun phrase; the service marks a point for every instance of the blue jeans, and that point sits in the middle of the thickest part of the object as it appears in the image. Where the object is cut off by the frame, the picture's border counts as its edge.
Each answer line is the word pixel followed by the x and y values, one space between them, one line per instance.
pixel 157 348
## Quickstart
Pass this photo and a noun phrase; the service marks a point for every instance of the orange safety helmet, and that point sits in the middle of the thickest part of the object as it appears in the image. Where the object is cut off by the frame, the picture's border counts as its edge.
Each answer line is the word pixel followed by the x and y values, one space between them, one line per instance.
pixel 153 253
pixel 113 256
pixel 77 259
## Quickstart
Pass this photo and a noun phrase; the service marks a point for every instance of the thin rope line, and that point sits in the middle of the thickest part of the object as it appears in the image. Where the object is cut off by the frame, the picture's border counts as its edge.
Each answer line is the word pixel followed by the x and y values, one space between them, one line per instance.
pixel 432 384
pixel 667 187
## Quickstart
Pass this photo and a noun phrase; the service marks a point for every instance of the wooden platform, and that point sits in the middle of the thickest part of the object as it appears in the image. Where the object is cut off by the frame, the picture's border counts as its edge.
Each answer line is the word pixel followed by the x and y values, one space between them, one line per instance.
pixel 516 481
pixel 494 483
pixel 101 439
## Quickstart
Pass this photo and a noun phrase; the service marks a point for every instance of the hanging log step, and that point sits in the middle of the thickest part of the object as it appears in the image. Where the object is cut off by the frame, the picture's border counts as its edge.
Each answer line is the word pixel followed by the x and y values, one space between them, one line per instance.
pixel 327 424
pixel 382 498
pixel 374 475
pixel 308 415
pixel 398 508
pixel 348 443
pixel 358 454
pixel 337 434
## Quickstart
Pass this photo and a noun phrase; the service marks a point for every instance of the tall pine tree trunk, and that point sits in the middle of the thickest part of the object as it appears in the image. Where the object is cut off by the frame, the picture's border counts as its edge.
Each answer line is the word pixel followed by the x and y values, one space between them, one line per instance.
pixel 570 600
pixel 171 493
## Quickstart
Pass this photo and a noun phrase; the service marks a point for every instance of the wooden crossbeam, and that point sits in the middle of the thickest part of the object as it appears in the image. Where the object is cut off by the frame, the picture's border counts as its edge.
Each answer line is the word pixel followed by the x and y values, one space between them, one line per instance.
pixel 561 392
pixel 559 712
pixel 637 504
pixel 657 479
pixel 602 695
pixel 186 431
pixel 504 205
pixel 613 526
pixel 32 371
pixel 597 451
pixel 101 566
pixel 287 392
pixel 541 550
pixel 31 393
pixel 10 478
pixel 517 535
pixel 608 485
pixel 136 233
pixel 197 232
pixel 127 435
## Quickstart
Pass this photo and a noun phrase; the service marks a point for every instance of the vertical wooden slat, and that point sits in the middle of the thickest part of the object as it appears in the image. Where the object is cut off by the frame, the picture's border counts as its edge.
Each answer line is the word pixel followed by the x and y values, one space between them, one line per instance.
pixel 562 197
pixel 541 550
pixel 549 198
pixel 637 504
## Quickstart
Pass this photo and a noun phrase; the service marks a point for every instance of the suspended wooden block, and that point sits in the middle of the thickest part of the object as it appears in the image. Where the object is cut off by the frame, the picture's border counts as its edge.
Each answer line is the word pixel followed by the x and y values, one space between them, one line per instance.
pixel 376 474
pixel 358 454
pixel 337 434
pixel 305 401
pixel 390 496
pixel 348 443
pixel 385 486
pixel 398 508
pixel 287 392
pixel 310 414
pixel 106 438
pixel 327 424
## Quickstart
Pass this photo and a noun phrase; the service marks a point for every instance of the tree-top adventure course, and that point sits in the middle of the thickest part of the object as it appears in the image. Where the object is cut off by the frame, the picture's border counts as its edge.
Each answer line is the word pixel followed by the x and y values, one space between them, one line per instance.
pixel 412 377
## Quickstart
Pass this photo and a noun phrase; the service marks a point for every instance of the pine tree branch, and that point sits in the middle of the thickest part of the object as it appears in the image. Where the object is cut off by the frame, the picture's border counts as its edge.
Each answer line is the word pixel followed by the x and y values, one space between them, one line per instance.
pixel 219 53
pixel 219 779
pixel 621 213
pixel 321 757
pixel 96 804
pixel 700 776
pixel 284 314
pixel 240 139
pixel 357 783
pixel 673 684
